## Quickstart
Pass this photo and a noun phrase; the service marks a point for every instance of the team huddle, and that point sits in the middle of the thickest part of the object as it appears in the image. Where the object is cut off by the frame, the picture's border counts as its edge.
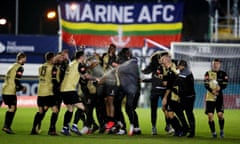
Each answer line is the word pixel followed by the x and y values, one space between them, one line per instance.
pixel 102 82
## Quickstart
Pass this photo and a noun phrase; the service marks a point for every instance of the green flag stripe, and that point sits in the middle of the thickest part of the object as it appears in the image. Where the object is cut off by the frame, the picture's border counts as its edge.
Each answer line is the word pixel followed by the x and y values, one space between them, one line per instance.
pixel 125 33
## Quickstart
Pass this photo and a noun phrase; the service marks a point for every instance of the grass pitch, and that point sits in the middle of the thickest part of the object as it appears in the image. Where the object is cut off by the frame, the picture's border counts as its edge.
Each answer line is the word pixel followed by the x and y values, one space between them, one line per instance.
pixel 24 118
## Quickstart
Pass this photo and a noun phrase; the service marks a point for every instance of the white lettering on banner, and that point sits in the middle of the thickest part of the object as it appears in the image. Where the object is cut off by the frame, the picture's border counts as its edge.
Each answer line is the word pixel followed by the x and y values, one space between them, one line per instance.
pixel 144 15
pixel 121 14
pixel 157 11
pixel 12 47
pixel 2 47
pixel 128 14
pixel 166 10
pixel 27 90
pixel 116 14
pixel 34 88
pixel 72 13
pixel 135 52
pixel 25 101
pixel 87 13
pixel 31 89
pixel 100 11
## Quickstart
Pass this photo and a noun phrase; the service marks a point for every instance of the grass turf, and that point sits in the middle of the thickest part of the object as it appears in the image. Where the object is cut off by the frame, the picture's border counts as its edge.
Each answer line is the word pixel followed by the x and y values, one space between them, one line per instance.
pixel 24 118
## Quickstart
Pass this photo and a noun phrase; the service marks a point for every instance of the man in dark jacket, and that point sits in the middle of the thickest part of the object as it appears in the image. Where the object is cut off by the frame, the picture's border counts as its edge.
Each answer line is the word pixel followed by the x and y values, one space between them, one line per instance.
pixel 187 94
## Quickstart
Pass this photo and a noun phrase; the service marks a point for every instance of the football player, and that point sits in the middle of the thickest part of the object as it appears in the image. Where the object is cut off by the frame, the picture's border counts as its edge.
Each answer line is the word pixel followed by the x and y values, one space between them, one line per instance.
pixel 10 86
pixel 215 81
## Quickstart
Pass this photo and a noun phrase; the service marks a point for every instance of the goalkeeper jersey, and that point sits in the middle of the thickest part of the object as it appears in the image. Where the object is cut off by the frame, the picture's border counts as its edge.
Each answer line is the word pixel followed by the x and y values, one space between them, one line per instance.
pixel 222 80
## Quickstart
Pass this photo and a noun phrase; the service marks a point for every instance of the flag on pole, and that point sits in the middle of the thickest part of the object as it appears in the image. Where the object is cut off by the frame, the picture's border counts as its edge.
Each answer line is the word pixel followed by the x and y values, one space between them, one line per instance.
pixel 125 25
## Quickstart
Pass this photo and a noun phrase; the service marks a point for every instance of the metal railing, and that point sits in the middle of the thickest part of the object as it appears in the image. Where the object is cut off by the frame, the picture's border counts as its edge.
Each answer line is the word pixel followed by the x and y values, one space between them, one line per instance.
pixel 230 23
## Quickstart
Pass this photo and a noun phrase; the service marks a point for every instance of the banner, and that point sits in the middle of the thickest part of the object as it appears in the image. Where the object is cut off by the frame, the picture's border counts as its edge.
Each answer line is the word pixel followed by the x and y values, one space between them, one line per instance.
pixel 25 101
pixel 125 25
pixel 34 46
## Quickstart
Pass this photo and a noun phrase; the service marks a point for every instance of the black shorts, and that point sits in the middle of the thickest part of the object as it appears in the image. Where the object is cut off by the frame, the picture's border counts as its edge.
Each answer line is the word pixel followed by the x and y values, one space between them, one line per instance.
pixel 173 106
pixel 58 99
pixel 110 90
pixel 9 100
pixel 70 97
pixel 212 105
pixel 188 103
pixel 155 94
pixel 49 101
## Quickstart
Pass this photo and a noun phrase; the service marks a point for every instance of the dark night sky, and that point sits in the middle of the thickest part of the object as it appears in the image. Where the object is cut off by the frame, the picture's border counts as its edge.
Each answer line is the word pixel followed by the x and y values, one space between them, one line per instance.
pixel 31 16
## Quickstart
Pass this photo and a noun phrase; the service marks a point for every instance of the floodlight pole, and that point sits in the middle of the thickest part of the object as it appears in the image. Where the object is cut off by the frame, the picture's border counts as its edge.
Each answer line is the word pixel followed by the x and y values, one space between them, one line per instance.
pixel 60 29
pixel 16 17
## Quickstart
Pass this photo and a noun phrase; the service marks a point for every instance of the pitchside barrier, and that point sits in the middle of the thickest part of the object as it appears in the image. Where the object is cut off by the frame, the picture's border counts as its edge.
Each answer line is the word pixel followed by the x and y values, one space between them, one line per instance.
pixel 198 56
pixel 231 94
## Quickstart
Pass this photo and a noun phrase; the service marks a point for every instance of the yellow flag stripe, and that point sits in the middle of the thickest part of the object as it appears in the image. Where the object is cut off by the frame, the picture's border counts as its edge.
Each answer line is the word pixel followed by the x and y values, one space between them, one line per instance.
pixel 127 27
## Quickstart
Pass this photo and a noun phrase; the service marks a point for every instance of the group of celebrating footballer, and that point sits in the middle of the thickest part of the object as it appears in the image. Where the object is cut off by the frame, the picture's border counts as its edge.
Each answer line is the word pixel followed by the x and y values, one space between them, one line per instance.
pixel 72 82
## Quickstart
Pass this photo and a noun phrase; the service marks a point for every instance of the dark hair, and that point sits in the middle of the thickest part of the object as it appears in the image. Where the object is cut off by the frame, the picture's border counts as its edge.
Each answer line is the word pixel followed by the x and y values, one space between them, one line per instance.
pixel 48 56
pixel 217 60
pixel 124 52
pixel 20 55
pixel 79 54
pixel 182 63
pixel 164 54
pixel 111 46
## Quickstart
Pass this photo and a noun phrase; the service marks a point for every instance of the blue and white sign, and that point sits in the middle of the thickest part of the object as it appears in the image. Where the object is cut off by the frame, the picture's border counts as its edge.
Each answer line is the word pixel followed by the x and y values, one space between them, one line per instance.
pixel 34 46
